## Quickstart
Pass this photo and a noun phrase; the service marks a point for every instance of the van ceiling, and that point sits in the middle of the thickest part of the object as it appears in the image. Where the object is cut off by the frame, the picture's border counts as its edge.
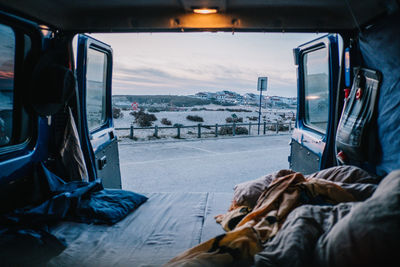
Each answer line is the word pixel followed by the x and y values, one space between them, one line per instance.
pixel 177 15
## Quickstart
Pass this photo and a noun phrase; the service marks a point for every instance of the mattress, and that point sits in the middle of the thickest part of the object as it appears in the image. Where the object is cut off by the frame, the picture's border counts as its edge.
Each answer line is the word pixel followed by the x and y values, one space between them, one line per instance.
pixel 166 225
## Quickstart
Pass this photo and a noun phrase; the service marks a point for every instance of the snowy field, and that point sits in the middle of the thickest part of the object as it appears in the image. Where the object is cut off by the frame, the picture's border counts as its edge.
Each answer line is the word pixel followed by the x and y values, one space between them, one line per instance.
pixel 204 165
pixel 210 117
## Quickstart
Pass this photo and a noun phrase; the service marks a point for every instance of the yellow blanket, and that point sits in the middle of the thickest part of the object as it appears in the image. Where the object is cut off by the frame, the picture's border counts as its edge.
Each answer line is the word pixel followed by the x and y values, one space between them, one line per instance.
pixel 249 227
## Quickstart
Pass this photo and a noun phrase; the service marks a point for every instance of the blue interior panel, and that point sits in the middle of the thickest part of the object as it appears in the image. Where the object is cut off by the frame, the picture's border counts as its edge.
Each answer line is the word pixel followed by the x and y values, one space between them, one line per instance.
pixel 380 51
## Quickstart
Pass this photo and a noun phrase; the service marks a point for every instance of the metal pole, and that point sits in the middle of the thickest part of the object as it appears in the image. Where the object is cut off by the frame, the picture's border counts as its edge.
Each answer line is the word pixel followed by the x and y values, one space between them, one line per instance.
pixel 199 130
pixel 259 112
pixel 249 128
pixel 277 127
pixel 131 132
pixel 265 126
pixel 156 131
pixel 290 127
pixel 234 129
pixel 178 135
pixel 216 130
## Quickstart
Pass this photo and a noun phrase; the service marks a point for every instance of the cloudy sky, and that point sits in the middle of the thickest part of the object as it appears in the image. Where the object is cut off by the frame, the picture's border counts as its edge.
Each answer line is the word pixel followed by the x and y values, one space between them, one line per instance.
pixel 186 63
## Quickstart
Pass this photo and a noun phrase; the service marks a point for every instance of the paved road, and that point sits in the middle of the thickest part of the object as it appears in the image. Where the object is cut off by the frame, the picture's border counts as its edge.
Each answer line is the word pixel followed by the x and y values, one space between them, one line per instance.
pixel 205 165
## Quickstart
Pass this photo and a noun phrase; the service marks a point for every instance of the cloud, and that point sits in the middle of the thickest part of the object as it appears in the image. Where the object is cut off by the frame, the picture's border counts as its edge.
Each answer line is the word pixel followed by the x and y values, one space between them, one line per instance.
pixel 187 63
pixel 213 77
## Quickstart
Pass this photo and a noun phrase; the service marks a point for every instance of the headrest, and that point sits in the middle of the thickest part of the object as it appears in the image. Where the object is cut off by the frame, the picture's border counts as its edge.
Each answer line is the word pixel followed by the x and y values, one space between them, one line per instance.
pixel 52 84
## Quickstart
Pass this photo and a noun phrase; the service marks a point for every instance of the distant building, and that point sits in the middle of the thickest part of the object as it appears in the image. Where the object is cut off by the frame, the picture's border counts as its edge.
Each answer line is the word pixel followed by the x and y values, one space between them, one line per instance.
pixel 231 97
pixel 201 95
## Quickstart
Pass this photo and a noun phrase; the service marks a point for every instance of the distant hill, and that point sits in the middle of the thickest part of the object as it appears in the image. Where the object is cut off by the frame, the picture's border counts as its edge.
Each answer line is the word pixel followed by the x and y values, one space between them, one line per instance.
pixel 167 100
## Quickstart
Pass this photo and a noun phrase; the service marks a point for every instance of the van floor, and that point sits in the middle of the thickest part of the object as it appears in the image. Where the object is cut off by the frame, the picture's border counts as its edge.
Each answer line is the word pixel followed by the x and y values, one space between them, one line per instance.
pixel 187 184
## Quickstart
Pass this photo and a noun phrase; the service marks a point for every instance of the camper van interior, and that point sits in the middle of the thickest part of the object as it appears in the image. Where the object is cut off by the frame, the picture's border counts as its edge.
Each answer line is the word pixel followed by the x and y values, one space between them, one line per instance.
pixel 61 200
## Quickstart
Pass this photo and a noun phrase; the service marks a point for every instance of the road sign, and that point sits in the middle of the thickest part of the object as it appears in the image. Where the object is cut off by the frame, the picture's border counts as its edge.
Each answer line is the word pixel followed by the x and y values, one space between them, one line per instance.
pixel 135 105
pixel 262 84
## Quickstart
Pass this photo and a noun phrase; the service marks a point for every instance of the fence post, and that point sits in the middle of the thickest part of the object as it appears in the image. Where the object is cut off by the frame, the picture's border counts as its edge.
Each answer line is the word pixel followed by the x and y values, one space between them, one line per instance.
pixel 265 126
pixel 277 127
pixel 199 130
pixel 178 135
pixel 216 130
pixel 249 128
pixel 156 131
pixel 234 129
pixel 131 132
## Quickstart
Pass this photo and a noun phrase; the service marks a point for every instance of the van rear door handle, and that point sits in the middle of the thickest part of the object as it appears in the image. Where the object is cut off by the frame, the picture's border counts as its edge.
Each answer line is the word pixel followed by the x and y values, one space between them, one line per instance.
pixel 102 162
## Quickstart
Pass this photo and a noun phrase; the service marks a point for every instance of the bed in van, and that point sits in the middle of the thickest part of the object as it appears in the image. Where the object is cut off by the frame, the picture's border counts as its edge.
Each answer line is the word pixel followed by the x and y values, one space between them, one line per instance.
pixel 56 123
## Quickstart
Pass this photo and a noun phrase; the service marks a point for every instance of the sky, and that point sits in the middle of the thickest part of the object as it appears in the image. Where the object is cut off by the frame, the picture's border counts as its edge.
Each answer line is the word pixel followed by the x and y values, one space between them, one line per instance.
pixel 187 63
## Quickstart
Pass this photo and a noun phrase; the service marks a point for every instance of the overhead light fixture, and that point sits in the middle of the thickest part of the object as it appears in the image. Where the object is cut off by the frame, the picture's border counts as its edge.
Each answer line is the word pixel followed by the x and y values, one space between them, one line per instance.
pixel 205 10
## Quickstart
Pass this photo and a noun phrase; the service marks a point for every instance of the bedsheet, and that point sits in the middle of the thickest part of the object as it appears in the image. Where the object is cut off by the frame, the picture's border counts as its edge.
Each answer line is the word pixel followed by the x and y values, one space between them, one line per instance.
pixel 163 227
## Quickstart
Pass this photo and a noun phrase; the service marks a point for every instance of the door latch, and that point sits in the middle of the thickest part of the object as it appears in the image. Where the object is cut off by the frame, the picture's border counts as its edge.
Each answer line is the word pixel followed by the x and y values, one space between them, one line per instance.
pixel 102 162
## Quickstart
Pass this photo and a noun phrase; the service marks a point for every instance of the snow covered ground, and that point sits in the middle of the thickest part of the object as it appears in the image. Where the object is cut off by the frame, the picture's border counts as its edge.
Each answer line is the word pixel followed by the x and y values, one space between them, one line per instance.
pixel 210 118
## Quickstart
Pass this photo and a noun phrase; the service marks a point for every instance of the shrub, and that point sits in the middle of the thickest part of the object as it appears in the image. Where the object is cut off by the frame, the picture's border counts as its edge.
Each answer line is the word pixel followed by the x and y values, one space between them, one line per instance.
pixel 143 119
pixel 117 113
pixel 237 110
pixel 254 118
pixel 153 110
pixel 281 127
pixel 241 130
pixel 226 130
pixel 194 118
pixel 165 121
pixel 235 120
pixel 143 122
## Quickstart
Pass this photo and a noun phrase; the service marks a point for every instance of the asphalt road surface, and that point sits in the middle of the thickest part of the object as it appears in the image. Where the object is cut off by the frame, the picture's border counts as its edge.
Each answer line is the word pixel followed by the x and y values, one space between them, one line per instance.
pixel 206 165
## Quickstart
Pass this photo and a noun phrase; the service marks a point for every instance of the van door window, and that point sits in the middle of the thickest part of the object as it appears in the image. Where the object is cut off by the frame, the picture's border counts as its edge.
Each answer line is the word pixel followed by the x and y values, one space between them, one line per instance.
pixel 96 75
pixel 316 89
pixel 7 57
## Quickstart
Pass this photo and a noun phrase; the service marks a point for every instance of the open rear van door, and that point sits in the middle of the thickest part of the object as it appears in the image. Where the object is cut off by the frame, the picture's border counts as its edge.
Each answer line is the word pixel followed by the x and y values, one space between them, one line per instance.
pixel 94 73
pixel 317 79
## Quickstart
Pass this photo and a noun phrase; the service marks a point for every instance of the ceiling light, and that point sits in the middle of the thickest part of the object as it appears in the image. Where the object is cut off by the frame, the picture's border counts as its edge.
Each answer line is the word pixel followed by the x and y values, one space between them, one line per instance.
pixel 205 10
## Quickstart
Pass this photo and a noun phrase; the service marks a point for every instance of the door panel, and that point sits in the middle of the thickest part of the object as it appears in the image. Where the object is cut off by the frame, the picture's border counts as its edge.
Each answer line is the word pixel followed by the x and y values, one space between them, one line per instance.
pixel 23 135
pixel 317 72
pixel 303 159
pixel 94 71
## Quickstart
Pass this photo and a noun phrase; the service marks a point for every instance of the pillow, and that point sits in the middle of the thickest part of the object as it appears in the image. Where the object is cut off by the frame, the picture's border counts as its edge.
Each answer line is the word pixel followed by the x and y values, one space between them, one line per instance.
pixel 108 206
pixel 345 174
pixel 370 234
pixel 247 193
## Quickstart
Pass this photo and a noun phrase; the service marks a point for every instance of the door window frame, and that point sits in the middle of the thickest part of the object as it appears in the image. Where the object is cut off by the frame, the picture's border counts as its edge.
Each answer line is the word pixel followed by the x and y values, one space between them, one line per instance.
pixel 322 42
pixel 107 122
pixel 312 49
pixel 25 124
pixel 95 139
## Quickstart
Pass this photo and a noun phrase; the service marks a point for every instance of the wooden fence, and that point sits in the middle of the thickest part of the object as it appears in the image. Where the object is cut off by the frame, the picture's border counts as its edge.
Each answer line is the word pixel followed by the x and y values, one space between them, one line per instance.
pixel 199 127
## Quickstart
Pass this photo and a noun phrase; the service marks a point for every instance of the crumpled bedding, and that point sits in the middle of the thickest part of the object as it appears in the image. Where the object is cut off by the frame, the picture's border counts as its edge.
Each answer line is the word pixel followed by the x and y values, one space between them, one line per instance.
pixel 356 180
pixel 86 202
pixel 349 234
pixel 303 237
pixel 239 245
pixel 295 242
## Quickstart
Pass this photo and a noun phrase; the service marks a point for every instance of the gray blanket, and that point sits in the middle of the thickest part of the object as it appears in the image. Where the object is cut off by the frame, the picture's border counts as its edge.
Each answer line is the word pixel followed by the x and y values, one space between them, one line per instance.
pixel 365 233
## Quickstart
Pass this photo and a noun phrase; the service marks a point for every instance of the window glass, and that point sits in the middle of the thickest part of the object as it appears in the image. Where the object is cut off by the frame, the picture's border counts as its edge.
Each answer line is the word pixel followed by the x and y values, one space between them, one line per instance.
pixel 7 57
pixel 96 75
pixel 316 89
